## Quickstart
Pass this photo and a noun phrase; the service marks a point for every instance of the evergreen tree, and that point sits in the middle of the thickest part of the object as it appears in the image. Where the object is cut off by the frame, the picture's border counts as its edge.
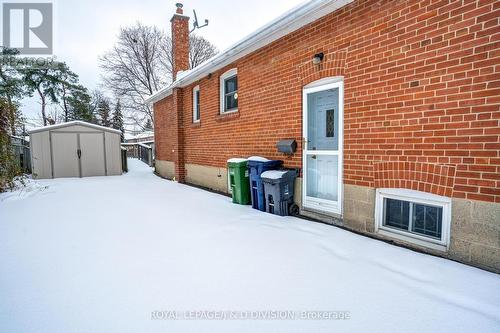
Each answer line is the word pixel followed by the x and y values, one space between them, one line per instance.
pixel 79 106
pixel 69 86
pixel 95 100
pixel 46 82
pixel 104 112
pixel 12 89
pixel 148 126
pixel 8 166
pixel 117 120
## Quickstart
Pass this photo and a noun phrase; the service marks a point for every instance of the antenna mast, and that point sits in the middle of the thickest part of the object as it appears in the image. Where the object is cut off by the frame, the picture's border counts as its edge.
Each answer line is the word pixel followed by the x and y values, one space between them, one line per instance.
pixel 196 25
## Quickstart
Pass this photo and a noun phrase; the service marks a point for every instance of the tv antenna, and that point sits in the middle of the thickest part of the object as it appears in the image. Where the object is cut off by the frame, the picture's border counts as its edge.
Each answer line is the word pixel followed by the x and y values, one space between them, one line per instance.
pixel 196 25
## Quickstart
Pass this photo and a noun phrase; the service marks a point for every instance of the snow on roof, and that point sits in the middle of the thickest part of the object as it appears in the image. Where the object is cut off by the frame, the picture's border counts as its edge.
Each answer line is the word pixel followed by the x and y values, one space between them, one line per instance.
pixel 143 145
pixel 25 138
pixel 145 134
pixel 286 23
pixel 73 123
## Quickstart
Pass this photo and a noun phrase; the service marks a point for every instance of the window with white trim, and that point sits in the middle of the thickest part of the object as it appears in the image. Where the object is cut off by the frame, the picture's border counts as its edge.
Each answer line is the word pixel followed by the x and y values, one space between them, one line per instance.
pixel 229 91
pixel 414 216
pixel 196 104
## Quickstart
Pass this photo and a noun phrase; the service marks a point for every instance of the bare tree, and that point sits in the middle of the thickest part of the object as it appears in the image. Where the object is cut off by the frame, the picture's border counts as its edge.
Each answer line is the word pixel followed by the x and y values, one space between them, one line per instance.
pixel 200 50
pixel 140 64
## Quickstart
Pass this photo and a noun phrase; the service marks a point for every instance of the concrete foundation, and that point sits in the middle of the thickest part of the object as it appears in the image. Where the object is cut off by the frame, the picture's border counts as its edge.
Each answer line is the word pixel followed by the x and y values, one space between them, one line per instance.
pixel 475 233
pixel 359 208
pixel 206 176
pixel 165 169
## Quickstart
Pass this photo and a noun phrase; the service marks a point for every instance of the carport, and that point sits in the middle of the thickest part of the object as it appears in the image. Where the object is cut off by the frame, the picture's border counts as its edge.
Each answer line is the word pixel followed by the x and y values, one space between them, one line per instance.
pixel 75 149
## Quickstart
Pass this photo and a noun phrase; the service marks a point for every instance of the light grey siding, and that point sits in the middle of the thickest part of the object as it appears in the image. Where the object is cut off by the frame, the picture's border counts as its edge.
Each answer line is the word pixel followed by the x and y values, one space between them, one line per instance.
pixel 113 156
pixel 40 155
pixel 103 155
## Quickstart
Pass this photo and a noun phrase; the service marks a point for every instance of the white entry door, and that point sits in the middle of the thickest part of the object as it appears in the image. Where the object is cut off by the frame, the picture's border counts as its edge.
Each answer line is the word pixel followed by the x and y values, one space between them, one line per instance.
pixel 92 154
pixel 323 136
pixel 65 155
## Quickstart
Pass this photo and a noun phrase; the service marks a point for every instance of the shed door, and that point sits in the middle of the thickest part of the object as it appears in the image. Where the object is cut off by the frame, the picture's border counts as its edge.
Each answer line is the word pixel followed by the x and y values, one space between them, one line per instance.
pixel 65 155
pixel 92 154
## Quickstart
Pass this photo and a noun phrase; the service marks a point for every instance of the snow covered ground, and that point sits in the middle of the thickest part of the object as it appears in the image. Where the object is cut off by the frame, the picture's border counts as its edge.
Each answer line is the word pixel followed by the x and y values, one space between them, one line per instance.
pixel 102 254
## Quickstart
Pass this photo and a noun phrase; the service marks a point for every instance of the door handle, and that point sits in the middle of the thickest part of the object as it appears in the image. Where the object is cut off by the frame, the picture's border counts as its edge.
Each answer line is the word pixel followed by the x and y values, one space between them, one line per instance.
pixel 79 153
pixel 304 143
pixel 313 157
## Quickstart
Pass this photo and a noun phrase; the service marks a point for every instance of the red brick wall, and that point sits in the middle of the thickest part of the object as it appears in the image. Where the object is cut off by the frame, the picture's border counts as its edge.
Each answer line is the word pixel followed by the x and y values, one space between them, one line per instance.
pixel 422 85
pixel 164 120
pixel 180 42
pixel 425 177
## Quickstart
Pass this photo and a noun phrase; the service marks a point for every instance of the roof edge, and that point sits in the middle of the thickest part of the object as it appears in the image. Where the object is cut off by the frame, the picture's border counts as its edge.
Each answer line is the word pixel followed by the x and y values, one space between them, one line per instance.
pixel 73 123
pixel 281 26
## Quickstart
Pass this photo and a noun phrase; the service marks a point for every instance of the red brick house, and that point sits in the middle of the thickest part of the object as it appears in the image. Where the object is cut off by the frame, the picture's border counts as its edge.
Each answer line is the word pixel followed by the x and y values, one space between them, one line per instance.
pixel 395 106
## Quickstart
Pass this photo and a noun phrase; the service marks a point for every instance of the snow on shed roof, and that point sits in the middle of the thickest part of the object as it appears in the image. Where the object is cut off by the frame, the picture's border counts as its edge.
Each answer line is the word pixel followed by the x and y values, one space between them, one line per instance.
pixel 73 123
pixel 283 25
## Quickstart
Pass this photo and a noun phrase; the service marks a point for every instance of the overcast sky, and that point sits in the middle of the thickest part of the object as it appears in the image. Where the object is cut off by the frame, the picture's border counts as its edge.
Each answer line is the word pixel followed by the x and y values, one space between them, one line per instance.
pixel 85 29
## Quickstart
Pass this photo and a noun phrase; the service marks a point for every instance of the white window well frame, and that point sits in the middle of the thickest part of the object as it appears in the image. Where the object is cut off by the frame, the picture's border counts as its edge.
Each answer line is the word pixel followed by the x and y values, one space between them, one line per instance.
pixel 222 91
pixel 417 197
pixel 196 109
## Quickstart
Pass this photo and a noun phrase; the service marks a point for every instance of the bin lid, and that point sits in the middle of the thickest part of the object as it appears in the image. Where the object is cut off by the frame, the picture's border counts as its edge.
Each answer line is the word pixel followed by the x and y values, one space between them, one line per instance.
pixel 273 174
pixel 258 159
pixel 237 162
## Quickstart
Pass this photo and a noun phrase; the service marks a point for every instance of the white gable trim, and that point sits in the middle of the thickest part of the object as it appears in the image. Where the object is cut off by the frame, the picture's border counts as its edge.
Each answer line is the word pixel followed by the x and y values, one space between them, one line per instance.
pixel 73 123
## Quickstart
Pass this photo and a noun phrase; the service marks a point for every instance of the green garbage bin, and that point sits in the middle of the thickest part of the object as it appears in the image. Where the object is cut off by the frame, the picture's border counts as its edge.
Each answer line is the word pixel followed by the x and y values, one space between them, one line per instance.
pixel 238 180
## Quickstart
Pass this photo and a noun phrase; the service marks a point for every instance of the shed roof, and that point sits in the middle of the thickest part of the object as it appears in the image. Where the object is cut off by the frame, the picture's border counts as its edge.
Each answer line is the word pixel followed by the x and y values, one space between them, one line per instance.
pixel 73 123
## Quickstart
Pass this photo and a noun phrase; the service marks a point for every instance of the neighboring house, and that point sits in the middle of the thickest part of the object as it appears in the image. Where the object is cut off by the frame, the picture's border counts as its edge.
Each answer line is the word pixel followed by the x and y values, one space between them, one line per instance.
pixel 21 150
pixel 141 146
pixel 395 106
pixel 146 136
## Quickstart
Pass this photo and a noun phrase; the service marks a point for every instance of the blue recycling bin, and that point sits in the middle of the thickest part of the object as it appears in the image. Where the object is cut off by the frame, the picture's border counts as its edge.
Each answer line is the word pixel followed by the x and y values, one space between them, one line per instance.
pixel 256 168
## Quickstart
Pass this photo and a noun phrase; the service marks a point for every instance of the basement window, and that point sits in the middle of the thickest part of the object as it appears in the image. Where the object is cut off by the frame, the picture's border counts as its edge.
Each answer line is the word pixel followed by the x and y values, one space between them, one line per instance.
pixel 414 216
pixel 196 104
pixel 229 91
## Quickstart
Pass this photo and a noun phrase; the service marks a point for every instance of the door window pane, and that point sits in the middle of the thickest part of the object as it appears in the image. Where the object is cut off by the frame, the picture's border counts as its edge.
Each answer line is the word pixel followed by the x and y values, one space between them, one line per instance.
pixel 330 123
pixel 322 176
pixel 427 220
pixel 397 214
pixel 323 120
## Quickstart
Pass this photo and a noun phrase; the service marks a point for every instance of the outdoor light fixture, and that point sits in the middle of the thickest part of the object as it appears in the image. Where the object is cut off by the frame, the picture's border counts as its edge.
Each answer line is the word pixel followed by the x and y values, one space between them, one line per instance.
pixel 318 58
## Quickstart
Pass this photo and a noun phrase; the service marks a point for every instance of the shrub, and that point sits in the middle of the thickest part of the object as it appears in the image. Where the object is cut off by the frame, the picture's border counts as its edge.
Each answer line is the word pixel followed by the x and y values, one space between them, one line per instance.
pixel 8 166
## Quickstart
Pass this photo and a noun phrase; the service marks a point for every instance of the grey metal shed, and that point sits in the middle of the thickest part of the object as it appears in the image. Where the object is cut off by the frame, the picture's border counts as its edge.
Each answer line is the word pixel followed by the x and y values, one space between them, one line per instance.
pixel 75 149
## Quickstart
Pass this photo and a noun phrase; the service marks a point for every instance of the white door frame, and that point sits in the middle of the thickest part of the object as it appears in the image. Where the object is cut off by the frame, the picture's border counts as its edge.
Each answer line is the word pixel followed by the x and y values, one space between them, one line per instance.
pixel 311 202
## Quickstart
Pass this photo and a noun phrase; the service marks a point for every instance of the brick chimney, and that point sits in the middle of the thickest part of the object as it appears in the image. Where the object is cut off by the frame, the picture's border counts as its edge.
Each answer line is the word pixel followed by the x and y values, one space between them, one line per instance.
pixel 180 41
